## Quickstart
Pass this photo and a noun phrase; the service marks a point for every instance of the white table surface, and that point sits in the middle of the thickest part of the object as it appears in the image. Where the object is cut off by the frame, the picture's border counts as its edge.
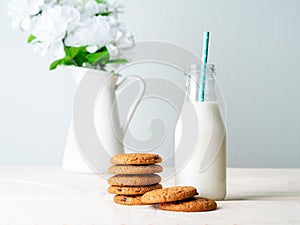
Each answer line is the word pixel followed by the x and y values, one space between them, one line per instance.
pixel 49 195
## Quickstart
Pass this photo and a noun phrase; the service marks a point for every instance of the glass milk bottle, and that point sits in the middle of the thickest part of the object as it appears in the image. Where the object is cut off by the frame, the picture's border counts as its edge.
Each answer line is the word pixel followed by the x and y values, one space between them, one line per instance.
pixel 200 156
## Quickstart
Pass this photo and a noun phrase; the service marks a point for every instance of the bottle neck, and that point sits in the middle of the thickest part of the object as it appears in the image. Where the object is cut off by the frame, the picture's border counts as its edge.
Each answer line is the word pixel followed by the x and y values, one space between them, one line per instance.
pixel 200 84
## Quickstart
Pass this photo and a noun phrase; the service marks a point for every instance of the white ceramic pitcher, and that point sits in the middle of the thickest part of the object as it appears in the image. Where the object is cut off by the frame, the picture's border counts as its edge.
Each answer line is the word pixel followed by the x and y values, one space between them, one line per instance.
pixel 106 118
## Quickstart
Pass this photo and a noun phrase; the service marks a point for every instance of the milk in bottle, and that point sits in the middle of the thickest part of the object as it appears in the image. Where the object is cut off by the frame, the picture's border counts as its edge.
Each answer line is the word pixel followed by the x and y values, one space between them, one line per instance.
pixel 200 155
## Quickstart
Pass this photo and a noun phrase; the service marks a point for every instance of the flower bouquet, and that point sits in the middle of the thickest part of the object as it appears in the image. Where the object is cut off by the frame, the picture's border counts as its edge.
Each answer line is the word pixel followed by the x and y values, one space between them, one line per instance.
pixel 83 33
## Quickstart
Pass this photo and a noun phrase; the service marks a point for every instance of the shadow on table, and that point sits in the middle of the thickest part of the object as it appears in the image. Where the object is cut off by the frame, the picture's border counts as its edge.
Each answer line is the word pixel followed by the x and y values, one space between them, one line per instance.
pixel 265 196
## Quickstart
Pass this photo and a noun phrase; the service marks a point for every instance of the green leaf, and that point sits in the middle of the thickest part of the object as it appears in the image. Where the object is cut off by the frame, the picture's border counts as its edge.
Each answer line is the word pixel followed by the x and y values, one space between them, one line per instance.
pixel 99 1
pixel 118 61
pixel 55 64
pixel 79 55
pixel 74 51
pixel 75 55
pixel 69 61
pixel 64 61
pixel 81 58
pixel 71 52
pixel 31 38
pixel 98 57
pixel 104 13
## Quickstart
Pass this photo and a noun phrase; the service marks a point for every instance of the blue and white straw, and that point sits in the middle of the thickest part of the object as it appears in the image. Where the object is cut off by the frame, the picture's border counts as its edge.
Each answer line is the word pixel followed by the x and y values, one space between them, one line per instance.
pixel 204 62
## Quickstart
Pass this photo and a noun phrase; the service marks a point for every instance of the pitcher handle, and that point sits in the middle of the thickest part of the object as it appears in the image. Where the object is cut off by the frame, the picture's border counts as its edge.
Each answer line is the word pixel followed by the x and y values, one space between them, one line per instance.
pixel 137 100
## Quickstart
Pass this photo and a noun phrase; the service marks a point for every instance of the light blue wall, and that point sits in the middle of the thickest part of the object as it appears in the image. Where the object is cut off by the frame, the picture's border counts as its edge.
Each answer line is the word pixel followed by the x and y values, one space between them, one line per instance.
pixel 35 104
pixel 254 44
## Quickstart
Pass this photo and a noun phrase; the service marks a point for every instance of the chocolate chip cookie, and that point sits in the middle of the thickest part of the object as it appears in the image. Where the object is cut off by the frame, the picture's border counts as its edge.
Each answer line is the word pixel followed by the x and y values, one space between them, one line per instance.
pixel 129 200
pixel 170 194
pixel 136 159
pixel 132 190
pixel 195 204
pixel 135 169
pixel 134 179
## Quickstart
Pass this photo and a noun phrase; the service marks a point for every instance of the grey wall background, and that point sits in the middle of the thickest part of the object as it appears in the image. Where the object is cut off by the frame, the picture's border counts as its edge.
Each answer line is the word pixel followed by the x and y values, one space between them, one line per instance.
pixel 254 44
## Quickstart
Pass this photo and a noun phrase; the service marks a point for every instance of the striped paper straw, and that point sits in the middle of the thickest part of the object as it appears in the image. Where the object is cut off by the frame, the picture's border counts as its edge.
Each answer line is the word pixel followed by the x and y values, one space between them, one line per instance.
pixel 204 62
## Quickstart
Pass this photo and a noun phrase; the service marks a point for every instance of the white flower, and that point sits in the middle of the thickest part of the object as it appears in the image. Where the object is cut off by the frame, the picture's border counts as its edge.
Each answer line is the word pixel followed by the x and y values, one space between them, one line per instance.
pixel 86 7
pixel 116 8
pixel 93 32
pixel 90 8
pixel 74 3
pixel 58 23
pixel 21 12
pixel 52 27
pixel 113 51
pixel 124 38
pixel 123 41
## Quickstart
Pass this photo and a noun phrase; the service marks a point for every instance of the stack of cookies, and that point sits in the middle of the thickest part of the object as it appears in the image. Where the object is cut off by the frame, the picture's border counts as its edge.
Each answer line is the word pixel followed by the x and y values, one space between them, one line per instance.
pixel 136 183
pixel 180 198
pixel 135 175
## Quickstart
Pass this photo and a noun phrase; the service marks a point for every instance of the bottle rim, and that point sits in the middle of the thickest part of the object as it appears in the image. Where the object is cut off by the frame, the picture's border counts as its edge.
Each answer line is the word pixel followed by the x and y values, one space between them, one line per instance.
pixel 198 68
